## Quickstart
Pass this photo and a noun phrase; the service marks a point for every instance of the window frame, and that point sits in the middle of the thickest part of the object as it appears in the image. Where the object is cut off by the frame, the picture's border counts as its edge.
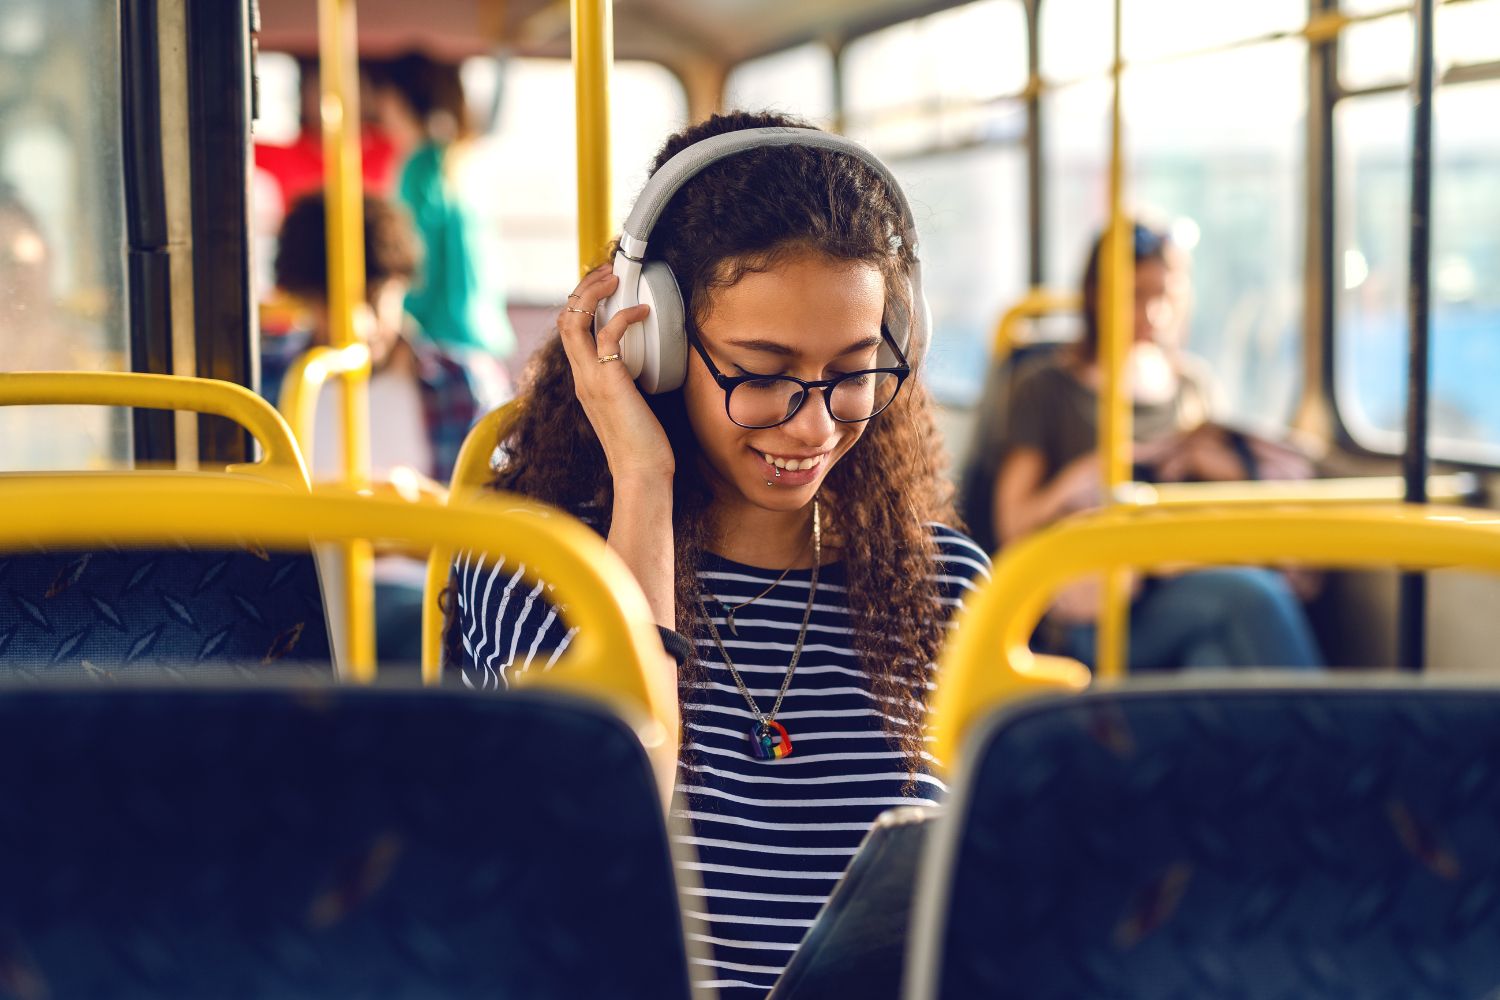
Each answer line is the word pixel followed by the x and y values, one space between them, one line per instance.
pixel 1484 457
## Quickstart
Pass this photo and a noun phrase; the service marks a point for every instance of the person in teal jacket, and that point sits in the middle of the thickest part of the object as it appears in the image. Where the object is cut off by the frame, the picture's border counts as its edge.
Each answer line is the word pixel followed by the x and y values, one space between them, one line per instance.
pixel 459 301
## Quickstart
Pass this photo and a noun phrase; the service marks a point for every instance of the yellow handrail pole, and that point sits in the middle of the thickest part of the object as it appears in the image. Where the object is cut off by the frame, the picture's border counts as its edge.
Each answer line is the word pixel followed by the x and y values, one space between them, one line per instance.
pixel 593 55
pixel 338 65
pixel 1364 489
pixel 1116 322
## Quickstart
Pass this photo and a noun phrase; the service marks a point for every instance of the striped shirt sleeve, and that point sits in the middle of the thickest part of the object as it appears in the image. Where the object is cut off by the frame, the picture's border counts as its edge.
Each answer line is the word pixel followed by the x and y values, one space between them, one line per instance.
pixel 506 623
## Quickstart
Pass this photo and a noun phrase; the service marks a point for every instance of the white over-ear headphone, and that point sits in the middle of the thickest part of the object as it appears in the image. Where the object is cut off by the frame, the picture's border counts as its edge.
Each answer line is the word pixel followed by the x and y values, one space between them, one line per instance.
pixel 655 350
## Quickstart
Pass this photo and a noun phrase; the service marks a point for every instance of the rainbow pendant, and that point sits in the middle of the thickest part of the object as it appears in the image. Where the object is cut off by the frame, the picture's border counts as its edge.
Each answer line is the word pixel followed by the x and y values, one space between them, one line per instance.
pixel 769 741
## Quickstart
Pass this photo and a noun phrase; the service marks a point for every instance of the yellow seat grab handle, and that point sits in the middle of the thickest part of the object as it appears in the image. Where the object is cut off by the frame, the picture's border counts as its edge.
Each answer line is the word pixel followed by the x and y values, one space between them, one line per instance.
pixel 304 382
pixel 615 656
pixel 1036 303
pixel 987 661
pixel 166 392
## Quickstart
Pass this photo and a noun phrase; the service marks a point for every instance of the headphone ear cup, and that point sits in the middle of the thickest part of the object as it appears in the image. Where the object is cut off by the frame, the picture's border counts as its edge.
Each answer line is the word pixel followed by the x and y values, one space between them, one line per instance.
pixel 908 326
pixel 664 366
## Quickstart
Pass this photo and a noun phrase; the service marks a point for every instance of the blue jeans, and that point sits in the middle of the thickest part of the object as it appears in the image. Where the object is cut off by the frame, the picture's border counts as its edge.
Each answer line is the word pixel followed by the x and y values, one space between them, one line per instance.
pixel 1231 617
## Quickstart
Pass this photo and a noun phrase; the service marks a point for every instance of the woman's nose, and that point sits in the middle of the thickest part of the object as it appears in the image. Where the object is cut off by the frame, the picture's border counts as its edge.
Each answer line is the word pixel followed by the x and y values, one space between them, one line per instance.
pixel 812 423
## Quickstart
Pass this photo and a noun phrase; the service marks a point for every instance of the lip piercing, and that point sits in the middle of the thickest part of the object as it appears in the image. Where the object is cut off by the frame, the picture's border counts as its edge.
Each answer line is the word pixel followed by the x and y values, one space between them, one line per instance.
pixel 778 473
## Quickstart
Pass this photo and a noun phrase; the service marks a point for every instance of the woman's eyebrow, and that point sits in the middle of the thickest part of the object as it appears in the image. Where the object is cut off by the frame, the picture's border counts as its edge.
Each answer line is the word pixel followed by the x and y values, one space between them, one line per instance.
pixel 786 351
pixel 865 344
pixel 765 347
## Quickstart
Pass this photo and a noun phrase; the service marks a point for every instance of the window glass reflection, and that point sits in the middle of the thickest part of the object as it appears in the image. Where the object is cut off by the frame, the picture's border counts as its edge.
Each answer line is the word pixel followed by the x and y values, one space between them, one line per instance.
pixel 62 280
pixel 1373 231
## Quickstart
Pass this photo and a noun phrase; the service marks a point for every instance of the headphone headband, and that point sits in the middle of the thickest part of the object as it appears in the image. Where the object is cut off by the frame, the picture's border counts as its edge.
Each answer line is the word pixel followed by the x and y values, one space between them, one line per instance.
pixel 677 171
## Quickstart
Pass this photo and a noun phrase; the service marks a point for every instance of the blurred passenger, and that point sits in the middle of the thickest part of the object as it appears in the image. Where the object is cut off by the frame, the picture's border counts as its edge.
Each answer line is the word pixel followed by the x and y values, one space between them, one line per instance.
pixel 1049 468
pixel 286 173
pixel 297 168
pixel 460 300
pixel 423 398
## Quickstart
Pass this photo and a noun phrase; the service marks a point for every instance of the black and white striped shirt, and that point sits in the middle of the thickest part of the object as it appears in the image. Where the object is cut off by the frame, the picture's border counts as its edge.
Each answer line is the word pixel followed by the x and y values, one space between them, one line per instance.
pixel 771 837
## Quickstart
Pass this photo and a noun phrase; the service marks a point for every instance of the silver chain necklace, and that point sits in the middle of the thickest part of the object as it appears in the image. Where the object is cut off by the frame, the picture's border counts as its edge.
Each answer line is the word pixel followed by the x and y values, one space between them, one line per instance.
pixel 729 611
pixel 768 738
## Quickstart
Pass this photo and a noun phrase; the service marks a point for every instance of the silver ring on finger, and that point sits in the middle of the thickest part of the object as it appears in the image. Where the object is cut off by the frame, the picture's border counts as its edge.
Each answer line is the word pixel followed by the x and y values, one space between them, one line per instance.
pixel 606 359
pixel 586 312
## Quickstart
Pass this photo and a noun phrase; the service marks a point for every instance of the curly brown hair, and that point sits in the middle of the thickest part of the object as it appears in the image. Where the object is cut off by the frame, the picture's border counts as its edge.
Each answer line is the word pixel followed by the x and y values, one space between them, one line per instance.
pixel 740 215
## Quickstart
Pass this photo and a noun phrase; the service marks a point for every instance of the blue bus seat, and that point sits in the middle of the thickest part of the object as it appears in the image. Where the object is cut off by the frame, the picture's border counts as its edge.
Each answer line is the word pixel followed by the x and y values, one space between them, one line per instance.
pixel 120 611
pixel 1309 841
pixel 317 840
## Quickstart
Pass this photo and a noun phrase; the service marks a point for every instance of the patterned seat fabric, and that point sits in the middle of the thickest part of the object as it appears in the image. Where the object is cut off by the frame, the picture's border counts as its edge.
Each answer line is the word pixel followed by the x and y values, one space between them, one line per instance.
pixel 330 842
pixel 1257 844
pixel 110 611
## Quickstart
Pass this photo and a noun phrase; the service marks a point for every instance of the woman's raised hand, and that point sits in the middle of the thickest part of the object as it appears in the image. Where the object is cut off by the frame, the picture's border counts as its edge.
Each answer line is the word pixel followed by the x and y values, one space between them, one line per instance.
pixel 635 446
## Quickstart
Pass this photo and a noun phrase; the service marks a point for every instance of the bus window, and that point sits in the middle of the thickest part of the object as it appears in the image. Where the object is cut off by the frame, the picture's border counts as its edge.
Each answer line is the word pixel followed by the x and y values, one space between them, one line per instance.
pixel 1077 36
pixel 62 270
pixel 1377 53
pixel 952 127
pixel 1369 357
pixel 1172 27
pixel 1468 33
pixel 798 81
pixel 1222 166
pixel 957 71
pixel 522 176
pixel 969 206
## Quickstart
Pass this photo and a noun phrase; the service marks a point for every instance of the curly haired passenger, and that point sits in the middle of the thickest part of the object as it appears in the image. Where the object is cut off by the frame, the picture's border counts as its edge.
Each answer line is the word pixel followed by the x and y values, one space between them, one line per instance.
pixel 792 533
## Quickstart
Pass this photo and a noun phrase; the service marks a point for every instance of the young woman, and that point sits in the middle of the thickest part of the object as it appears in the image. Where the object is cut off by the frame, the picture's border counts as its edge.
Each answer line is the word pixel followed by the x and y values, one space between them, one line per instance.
pixel 792 533
pixel 1223 617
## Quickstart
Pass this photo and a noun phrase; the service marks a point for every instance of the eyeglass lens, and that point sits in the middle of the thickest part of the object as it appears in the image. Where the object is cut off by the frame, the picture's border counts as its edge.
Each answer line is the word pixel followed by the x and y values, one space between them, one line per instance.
pixel 770 401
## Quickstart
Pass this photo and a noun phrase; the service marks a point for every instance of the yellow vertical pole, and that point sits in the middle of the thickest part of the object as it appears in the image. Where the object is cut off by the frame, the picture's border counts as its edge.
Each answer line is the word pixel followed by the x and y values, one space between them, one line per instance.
pixel 1116 331
pixel 593 54
pixel 338 70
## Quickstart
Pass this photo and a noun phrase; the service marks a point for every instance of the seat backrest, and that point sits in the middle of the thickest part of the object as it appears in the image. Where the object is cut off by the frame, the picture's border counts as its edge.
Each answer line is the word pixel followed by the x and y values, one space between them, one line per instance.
pixel 104 610
pixel 129 610
pixel 323 841
pixel 1328 840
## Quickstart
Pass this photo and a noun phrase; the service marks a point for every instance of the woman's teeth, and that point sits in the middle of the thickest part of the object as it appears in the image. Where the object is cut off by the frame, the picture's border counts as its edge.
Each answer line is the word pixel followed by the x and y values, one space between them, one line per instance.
pixel 791 464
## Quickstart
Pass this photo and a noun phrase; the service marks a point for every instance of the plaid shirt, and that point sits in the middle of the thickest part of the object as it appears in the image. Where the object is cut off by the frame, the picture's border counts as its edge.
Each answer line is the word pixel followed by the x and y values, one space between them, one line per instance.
pixel 457 386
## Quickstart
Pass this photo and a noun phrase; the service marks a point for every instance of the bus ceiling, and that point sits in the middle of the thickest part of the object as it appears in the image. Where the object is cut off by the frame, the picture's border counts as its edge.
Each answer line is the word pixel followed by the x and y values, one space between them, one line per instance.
pixel 681 34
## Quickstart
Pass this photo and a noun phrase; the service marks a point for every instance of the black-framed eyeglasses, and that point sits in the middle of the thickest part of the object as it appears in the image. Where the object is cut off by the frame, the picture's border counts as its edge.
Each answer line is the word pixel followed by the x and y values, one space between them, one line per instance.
pixel 759 401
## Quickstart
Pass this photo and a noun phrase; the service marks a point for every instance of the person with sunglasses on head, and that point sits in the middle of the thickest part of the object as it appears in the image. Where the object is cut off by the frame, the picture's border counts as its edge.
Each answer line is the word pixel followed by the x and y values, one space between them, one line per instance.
pixel 747 429
pixel 1049 468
